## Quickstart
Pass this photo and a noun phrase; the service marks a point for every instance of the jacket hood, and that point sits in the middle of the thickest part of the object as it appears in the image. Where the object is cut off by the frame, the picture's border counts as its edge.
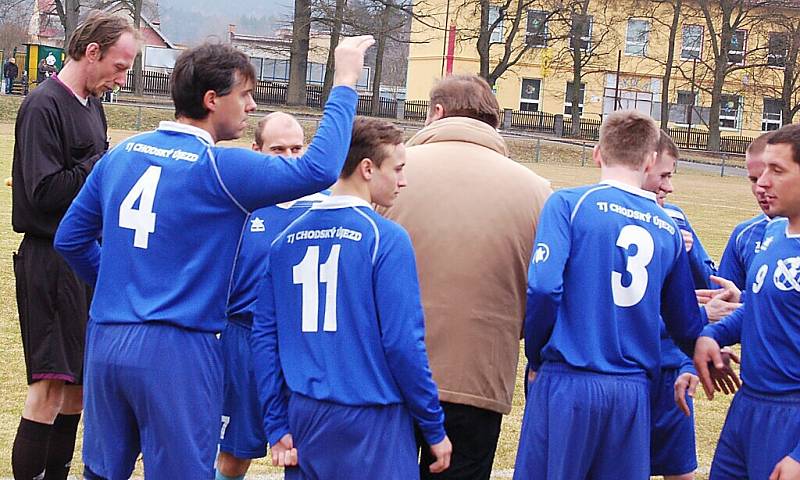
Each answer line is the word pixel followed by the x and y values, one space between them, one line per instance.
pixel 460 129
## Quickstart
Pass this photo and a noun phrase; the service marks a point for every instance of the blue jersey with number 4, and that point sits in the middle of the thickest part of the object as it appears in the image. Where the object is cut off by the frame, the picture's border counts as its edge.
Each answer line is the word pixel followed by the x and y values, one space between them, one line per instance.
pixel 170 207
pixel 339 317
pixel 606 262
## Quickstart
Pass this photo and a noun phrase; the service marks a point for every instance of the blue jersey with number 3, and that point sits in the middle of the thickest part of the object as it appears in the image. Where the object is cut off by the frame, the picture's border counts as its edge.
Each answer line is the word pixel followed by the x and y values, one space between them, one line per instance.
pixel 339 317
pixel 607 260
pixel 170 207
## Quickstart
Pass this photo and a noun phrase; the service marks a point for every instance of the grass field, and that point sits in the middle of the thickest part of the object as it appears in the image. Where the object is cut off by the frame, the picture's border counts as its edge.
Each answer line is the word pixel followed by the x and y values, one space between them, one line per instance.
pixel 713 204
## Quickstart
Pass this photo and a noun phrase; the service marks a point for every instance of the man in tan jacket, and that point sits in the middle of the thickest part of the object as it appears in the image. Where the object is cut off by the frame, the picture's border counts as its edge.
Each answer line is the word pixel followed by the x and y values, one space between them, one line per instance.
pixel 471 213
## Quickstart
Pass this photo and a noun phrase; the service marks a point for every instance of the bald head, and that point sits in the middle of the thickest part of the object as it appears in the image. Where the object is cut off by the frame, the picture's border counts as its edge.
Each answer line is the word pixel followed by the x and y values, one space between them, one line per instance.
pixel 279 134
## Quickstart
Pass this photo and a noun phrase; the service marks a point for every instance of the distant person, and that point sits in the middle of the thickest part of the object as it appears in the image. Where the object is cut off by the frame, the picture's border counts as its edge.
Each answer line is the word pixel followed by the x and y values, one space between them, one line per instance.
pixel 608 265
pixel 171 207
pixel 60 133
pixel 10 73
pixel 338 343
pixel 242 436
pixel 471 212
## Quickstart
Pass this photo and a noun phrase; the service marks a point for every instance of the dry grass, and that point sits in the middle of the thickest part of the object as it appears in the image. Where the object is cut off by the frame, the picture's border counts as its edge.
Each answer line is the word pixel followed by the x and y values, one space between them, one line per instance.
pixel 713 204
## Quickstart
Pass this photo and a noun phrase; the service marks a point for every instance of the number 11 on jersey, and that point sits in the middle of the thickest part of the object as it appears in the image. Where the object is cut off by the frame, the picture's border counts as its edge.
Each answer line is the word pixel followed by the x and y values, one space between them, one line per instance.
pixel 309 273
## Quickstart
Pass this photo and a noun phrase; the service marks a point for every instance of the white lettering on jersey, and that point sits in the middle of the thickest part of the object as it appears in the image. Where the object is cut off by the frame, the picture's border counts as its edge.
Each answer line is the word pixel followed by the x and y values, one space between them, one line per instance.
pixel 760 276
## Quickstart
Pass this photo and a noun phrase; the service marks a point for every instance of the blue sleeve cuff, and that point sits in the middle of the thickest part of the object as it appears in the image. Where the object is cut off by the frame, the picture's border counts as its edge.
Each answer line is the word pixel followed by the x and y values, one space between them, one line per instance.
pixel 276 436
pixel 434 435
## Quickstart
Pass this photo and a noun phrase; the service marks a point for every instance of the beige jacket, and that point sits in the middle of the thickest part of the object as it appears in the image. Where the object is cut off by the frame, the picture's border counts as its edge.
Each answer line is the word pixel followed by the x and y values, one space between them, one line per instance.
pixel 471 213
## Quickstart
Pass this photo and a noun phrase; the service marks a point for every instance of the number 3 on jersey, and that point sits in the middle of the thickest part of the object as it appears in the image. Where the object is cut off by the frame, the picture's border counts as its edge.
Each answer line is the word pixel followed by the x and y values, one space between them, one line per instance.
pixel 141 220
pixel 309 273
pixel 636 266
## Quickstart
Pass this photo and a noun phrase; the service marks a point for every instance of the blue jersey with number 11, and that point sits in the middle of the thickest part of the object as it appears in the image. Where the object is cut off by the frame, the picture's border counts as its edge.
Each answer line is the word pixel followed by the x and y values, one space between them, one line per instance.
pixel 607 261
pixel 340 318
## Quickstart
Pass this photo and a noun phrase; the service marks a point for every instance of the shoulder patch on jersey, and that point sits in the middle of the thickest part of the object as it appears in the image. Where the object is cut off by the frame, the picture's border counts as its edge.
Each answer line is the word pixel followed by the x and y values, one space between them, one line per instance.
pixel 541 253
pixel 257 225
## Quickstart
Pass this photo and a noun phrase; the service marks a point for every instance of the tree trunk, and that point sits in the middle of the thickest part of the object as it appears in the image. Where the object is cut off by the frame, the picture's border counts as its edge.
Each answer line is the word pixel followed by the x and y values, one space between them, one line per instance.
pixel 336 31
pixel 789 81
pixel 483 42
pixel 68 12
pixel 298 60
pixel 720 72
pixel 380 49
pixel 138 80
pixel 665 81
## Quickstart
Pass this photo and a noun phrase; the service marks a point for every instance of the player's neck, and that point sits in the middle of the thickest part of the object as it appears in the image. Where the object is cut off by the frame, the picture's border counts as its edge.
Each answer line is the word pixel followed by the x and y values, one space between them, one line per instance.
pixel 794 224
pixel 204 124
pixel 352 187
pixel 73 76
pixel 622 174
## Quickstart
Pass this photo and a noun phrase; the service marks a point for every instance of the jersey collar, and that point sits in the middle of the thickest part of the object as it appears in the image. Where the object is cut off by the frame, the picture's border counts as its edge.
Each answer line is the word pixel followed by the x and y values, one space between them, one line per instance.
pixel 169 126
pixel 341 201
pixel 630 189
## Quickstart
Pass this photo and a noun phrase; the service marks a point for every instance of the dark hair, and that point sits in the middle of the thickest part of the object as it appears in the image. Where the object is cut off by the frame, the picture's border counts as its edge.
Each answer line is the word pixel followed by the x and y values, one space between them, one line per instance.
pixel 758 145
pixel 101 28
pixel 466 96
pixel 788 134
pixel 210 66
pixel 667 145
pixel 368 140
pixel 627 137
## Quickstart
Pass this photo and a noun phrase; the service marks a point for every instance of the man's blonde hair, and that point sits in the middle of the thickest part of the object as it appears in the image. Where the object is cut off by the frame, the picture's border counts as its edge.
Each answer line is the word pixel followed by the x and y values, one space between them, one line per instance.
pixel 628 137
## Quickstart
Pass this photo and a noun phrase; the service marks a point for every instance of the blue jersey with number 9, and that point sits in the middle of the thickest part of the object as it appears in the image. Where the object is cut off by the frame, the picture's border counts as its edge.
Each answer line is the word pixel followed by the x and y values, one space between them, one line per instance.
pixel 607 261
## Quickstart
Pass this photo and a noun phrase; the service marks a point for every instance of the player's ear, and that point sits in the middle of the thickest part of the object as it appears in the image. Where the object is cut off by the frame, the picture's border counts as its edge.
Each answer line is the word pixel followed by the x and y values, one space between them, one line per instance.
pixel 92 52
pixel 366 167
pixel 210 100
pixel 596 157
pixel 651 161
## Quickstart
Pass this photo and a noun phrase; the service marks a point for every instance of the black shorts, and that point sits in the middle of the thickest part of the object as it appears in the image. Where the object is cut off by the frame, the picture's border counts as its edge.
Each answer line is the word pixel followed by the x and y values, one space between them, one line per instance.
pixel 53 305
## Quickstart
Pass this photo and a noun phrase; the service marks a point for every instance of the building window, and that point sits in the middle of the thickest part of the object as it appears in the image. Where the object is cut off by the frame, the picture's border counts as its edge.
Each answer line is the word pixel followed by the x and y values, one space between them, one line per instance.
pixel 536 30
pixel 581 32
pixel 498 33
pixel 685 98
pixel 772 118
pixel 315 73
pixel 568 99
pixel 529 96
pixel 777 49
pixel 736 51
pixel 692 42
pixel 730 111
pixel 636 38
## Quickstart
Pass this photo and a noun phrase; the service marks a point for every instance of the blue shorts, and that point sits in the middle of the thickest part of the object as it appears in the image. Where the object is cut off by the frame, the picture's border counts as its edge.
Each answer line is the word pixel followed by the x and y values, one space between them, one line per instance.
pixel 759 431
pixel 242 434
pixel 153 388
pixel 344 442
pixel 580 424
pixel 672 443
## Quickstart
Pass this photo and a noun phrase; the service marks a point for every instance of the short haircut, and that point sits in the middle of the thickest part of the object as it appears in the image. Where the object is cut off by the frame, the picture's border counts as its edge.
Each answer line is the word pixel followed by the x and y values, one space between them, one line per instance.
pixel 370 135
pixel 788 134
pixel 758 145
pixel 258 137
pixel 667 146
pixel 466 96
pixel 210 66
pixel 627 137
pixel 101 28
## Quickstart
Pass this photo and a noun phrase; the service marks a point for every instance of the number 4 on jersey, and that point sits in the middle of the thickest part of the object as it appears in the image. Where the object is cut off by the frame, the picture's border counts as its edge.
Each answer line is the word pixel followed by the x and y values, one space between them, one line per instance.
pixel 141 220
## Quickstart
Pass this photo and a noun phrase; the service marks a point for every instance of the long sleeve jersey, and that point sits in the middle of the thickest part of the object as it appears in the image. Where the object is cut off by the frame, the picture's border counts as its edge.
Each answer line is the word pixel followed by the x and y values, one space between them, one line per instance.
pixel 742 246
pixel 171 207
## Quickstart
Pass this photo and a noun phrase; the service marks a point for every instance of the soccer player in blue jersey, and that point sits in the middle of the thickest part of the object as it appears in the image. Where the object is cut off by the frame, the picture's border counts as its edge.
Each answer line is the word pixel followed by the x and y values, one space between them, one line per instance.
pixel 761 435
pixel 242 435
pixel 594 353
pixel 337 342
pixel 745 240
pixel 171 207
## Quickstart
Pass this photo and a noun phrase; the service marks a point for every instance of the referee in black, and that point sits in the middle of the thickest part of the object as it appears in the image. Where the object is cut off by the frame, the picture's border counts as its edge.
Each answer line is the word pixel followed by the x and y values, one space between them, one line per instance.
pixel 60 133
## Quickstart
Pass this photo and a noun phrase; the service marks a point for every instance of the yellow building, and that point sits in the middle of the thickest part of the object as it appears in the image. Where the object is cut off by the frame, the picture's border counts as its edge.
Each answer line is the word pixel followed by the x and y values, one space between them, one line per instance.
pixel 633 34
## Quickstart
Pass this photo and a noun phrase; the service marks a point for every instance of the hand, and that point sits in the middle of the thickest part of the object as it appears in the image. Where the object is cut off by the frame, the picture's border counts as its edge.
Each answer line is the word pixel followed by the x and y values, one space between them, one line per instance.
pixel 726 380
pixel 283 453
pixel 786 469
pixel 685 385
pixel 688 240
pixel 349 58
pixel 717 309
pixel 730 293
pixel 442 451
pixel 706 351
